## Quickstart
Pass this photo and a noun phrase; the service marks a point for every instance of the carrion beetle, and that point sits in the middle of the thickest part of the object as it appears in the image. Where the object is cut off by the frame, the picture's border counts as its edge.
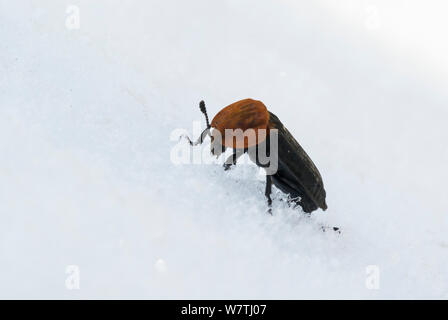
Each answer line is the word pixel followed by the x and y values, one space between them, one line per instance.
pixel 295 174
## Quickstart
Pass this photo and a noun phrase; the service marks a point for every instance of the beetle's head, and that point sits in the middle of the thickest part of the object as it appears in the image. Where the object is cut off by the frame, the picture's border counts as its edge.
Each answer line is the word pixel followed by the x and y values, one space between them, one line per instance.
pixel 216 146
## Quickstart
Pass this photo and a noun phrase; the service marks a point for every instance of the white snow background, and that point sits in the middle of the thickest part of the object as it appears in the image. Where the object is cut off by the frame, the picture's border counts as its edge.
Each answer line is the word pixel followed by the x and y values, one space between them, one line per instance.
pixel 86 176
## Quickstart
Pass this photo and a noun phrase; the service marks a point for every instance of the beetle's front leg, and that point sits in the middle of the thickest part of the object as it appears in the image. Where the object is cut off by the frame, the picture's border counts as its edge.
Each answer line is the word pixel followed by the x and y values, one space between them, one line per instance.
pixel 231 160
pixel 268 192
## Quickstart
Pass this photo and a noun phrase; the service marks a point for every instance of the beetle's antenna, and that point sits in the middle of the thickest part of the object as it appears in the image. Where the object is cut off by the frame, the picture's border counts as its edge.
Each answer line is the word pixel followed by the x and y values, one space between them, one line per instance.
pixel 204 111
pixel 205 132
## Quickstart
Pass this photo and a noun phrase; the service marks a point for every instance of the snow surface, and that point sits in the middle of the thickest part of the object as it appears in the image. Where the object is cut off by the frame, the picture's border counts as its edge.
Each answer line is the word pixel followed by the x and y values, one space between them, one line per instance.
pixel 87 117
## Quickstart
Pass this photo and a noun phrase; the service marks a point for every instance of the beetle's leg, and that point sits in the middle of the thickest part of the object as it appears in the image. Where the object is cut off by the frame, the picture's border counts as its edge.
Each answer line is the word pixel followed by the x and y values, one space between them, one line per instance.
pixel 268 192
pixel 232 159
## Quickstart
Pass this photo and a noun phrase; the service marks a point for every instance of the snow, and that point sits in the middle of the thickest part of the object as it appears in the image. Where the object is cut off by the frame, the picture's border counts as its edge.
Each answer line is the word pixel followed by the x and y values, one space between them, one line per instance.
pixel 87 180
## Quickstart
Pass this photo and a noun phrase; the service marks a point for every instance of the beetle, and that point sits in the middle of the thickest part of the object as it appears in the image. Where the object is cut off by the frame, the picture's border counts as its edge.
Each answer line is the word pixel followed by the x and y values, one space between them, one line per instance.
pixel 295 174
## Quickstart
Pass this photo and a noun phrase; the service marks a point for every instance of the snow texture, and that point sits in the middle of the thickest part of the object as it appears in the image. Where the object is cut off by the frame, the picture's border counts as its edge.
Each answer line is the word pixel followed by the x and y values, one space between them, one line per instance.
pixel 87 117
